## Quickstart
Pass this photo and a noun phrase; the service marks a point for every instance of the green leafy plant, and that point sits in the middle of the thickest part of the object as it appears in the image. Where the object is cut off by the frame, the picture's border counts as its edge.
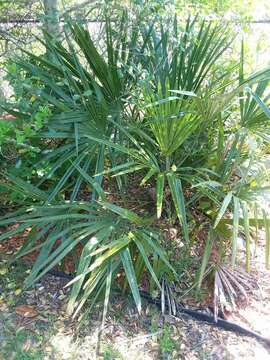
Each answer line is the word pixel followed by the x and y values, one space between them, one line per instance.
pixel 166 343
pixel 148 113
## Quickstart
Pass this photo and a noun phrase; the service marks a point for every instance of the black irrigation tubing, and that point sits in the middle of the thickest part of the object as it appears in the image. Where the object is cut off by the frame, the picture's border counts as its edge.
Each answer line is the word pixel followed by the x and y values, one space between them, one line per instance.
pixel 193 313
pixel 219 322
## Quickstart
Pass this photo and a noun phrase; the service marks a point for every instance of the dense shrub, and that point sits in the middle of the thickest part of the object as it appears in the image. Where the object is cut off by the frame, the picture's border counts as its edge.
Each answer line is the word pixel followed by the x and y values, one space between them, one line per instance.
pixel 149 132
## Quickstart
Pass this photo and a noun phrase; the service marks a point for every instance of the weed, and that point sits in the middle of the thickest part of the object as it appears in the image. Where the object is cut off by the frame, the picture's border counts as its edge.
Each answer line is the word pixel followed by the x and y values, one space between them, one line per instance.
pixel 166 342
pixel 109 353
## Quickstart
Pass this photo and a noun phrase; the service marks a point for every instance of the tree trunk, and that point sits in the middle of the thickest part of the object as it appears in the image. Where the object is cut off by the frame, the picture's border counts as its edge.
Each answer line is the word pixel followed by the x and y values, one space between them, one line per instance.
pixel 51 24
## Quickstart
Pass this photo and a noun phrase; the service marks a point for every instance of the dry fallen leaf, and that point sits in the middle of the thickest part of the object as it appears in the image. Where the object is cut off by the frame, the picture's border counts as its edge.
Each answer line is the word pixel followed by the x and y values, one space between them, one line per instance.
pixel 26 311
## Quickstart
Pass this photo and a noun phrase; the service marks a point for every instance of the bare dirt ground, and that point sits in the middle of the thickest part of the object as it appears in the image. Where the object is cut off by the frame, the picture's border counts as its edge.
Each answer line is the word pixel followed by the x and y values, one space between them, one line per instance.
pixel 34 325
pixel 49 334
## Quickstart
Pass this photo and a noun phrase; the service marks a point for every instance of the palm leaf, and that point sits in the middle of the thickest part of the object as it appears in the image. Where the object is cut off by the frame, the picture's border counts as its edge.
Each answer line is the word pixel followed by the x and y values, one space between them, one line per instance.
pixel 131 277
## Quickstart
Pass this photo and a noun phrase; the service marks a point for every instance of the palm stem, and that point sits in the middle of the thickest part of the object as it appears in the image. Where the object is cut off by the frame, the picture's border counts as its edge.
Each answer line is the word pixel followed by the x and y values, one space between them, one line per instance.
pixel 168 161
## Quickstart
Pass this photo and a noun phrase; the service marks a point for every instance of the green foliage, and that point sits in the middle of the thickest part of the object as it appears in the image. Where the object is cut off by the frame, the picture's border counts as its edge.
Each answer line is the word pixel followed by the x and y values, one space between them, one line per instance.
pixel 15 346
pixel 34 110
pixel 166 343
pixel 149 111
pixel 164 337
pixel 5 129
pixel 19 145
pixel 109 353
pixel 242 9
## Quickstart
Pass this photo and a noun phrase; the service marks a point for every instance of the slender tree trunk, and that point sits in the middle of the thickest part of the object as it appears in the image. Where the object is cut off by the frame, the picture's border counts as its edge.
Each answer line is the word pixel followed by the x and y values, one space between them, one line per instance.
pixel 51 23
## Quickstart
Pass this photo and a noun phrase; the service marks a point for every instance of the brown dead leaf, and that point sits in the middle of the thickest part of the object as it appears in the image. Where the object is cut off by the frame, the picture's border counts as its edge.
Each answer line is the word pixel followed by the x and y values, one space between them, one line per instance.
pixel 26 311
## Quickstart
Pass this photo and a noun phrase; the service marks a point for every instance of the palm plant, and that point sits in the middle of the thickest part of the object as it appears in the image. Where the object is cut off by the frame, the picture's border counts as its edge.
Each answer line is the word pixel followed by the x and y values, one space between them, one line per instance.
pixel 153 112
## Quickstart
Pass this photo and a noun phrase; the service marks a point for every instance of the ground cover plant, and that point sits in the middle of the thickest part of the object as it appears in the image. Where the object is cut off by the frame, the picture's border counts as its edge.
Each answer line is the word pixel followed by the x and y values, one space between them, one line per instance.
pixel 145 134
